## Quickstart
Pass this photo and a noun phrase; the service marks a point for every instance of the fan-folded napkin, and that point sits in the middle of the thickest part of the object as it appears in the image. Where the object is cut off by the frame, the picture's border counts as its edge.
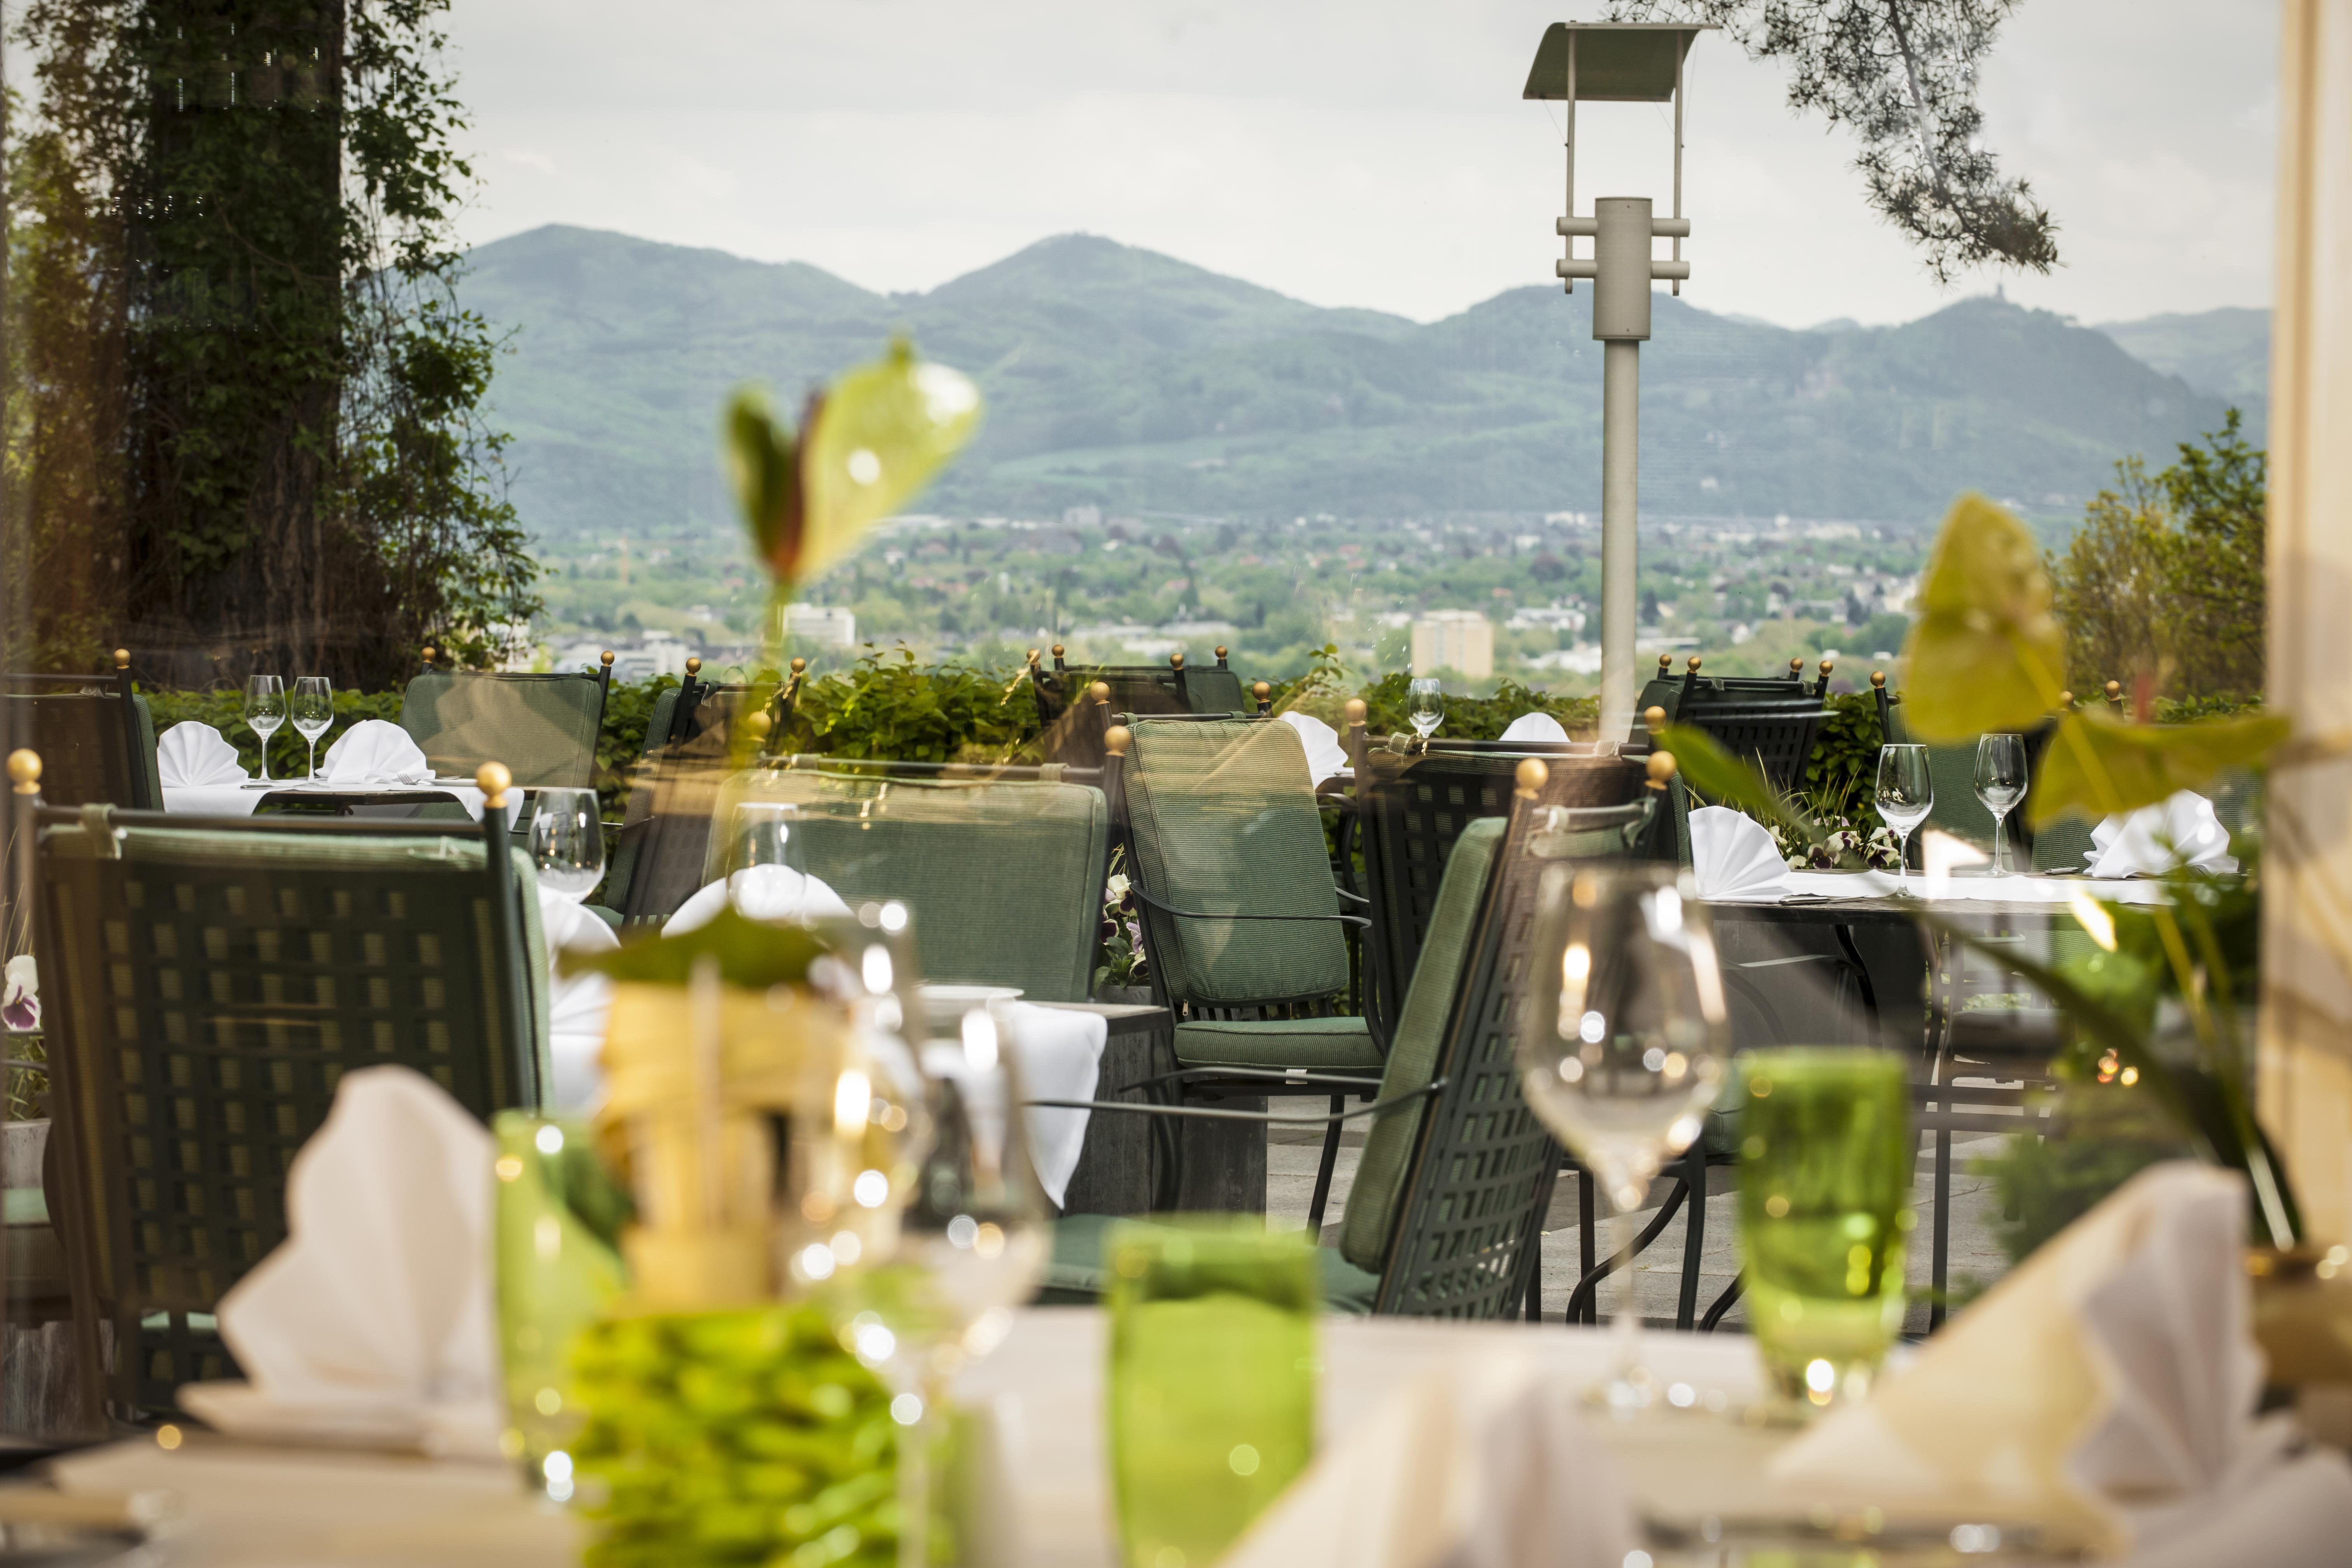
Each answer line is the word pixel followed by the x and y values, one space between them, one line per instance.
pixel 375 752
pixel 377 1305
pixel 1325 758
pixel 1535 727
pixel 762 892
pixel 1483 1463
pixel 576 1003
pixel 2105 1389
pixel 1732 857
pixel 2180 831
pixel 189 755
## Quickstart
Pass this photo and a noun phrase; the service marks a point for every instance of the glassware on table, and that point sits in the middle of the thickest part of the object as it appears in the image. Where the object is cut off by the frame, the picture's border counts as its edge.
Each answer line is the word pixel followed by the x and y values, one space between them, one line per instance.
pixel 1623 1046
pixel 264 711
pixel 1424 706
pixel 311 710
pixel 1212 1376
pixel 1825 1160
pixel 1905 795
pixel 567 841
pixel 557 1219
pixel 768 833
pixel 2000 784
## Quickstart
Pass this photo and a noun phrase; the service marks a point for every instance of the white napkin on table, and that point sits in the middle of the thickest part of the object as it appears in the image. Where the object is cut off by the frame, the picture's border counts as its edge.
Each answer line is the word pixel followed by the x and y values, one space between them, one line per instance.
pixel 189 754
pixel 1058 1054
pixel 1484 1463
pixel 2148 842
pixel 1326 757
pixel 1732 856
pixel 1535 727
pixel 2105 1388
pixel 375 752
pixel 762 892
pixel 576 1003
pixel 375 1311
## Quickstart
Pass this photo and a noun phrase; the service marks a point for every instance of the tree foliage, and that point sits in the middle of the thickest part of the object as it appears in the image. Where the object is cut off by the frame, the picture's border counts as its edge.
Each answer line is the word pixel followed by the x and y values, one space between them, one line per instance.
pixel 2162 585
pixel 1903 74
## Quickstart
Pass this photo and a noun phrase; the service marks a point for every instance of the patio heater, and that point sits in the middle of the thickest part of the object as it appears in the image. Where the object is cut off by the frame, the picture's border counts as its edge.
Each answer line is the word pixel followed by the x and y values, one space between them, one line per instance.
pixel 1617 63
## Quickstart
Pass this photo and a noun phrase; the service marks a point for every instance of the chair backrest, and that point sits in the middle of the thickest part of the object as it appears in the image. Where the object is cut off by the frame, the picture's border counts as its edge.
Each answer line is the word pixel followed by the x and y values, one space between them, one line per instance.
pixel 542 727
pixel 1175 687
pixel 208 983
pixel 638 810
pixel 1413 807
pixel 1220 818
pixel 95 735
pixel 1471 1209
pixel 1004 878
pixel 1769 723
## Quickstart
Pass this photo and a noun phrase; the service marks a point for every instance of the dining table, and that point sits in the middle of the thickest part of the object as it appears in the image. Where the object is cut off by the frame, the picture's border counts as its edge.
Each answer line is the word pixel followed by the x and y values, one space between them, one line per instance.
pixel 246 799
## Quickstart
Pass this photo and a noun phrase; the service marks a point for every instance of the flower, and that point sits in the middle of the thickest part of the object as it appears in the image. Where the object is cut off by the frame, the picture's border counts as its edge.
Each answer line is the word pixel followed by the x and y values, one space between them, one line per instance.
pixel 20 1007
pixel 1116 887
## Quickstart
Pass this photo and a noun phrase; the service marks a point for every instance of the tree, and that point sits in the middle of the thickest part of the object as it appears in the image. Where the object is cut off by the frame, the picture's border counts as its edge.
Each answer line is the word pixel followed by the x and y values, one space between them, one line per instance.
pixel 1903 74
pixel 2164 579
pixel 249 406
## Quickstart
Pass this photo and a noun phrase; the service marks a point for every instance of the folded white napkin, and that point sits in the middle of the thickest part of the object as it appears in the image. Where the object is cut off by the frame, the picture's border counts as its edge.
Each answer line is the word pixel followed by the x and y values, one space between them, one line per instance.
pixel 1058 1055
pixel 1732 857
pixel 375 752
pixel 1535 727
pixel 2105 1388
pixel 189 754
pixel 576 1003
pixel 1484 1463
pixel 1326 757
pixel 762 892
pixel 376 1308
pixel 2182 831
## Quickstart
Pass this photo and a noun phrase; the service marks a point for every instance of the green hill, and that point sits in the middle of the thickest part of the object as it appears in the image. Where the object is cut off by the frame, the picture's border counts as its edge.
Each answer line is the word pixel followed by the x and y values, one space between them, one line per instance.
pixel 2226 352
pixel 1123 378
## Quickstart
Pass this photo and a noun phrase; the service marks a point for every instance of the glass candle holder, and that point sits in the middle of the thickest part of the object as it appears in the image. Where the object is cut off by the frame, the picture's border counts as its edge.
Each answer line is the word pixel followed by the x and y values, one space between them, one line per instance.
pixel 1825 1160
pixel 1213 1381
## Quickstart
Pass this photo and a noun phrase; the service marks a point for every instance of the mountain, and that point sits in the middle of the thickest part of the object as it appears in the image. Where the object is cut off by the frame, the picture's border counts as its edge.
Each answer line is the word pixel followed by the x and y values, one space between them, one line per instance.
pixel 2225 351
pixel 1119 377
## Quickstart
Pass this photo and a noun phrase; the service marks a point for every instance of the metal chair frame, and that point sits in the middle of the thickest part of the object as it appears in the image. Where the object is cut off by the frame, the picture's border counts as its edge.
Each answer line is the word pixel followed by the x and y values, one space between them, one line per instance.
pixel 118 684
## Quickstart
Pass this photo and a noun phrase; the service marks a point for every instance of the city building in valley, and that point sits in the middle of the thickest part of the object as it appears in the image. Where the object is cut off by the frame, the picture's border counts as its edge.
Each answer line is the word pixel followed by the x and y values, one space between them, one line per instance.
pixel 1459 640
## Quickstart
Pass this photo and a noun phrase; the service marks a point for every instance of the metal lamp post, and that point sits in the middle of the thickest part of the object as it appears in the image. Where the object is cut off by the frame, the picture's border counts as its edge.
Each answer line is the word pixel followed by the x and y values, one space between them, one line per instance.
pixel 1617 63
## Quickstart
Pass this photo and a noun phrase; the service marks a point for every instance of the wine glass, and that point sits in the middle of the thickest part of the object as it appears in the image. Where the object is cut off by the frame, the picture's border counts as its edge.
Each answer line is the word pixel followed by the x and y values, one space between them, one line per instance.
pixel 567 841
pixel 1905 795
pixel 764 834
pixel 1426 707
pixel 970 1248
pixel 264 711
pixel 312 712
pixel 1623 1047
pixel 2000 784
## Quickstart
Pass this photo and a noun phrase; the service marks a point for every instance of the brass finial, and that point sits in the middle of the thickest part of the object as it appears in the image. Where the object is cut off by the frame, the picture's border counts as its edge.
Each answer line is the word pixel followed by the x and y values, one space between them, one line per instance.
pixel 1665 663
pixel 493 780
pixel 800 666
pixel 760 724
pixel 1662 768
pixel 122 658
pixel 25 770
pixel 430 652
pixel 1176 660
pixel 605 658
pixel 1532 775
pixel 1058 650
pixel 1100 692
pixel 2114 690
pixel 1220 653
pixel 1116 738
pixel 1797 666
pixel 1261 691
pixel 1355 712
pixel 1033 656
pixel 1878 678
pixel 694 664
pixel 1693 665
pixel 1655 718
pixel 2065 700
pixel 1828 665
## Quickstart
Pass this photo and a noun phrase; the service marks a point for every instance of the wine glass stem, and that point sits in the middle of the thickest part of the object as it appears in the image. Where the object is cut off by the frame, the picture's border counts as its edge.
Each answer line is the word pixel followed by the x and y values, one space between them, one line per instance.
pixel 1625 1328
pixel 314 756
pixel 2001 843
pixel 264 754
pixel 915 1446
pixel 1903 861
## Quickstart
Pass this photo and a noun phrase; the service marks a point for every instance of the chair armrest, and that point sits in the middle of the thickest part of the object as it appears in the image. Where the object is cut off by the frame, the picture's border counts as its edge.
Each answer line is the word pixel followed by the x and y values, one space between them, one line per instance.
pixel 1194 915
pixel 1205 1113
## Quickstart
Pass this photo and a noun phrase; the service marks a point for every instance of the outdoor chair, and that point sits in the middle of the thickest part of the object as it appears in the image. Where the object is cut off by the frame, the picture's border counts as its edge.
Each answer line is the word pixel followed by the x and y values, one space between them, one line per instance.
pixel 1769 721
pixel 1001 868
pixel 541 728
pixel 94 734
pixel 1074 707
pixel 208 981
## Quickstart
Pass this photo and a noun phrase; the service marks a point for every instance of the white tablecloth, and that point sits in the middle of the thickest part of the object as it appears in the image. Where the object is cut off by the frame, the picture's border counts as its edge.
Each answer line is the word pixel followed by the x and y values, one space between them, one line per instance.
pixel 576 1004
pixel 240 800
pixel 1058 1055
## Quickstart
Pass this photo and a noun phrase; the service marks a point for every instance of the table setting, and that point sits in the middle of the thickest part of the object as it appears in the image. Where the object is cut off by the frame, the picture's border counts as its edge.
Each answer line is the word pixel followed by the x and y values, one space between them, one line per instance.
pixel 374 762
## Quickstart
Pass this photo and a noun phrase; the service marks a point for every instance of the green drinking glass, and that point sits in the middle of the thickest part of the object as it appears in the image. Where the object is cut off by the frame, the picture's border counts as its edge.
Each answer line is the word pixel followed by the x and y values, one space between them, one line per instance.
pixel 1212 1378
pixel 1825 1160
pixel 559 1270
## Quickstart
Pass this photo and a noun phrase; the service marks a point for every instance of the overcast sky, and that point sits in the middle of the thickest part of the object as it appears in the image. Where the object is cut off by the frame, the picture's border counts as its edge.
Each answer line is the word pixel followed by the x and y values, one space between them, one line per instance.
pixel 1370 152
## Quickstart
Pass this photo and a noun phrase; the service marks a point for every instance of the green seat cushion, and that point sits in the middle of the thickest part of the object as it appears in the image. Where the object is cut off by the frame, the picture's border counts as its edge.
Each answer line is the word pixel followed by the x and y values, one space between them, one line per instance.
pixel 1075 1276
pixel 1278 1043
pixel 1420 1038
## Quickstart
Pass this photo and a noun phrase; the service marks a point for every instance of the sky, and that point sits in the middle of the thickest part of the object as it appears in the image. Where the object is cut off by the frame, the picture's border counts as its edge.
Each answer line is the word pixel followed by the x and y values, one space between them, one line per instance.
pixel 1371 152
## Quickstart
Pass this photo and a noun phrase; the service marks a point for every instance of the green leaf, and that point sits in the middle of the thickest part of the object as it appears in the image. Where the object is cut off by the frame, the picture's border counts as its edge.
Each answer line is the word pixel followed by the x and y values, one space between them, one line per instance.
pixel 883 431
pixel 1986 654
pixel 1723 778
pixel 2097 765
pixel 759 460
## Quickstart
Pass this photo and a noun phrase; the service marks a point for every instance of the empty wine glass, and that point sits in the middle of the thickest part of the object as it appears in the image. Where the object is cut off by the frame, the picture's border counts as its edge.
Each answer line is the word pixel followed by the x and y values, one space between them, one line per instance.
pixel 1426 707
pixel 1905 795
pixel 567 841
pixel 264 711
pixel 2000 784
pixel 312 712
pixel 1623 1047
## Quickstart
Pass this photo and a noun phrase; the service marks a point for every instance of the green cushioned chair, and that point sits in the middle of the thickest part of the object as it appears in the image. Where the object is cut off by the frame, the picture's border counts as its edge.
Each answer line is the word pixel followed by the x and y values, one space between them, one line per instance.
pixel 95 735
pixel 1003 876
pixel 207 982
pixel 542 727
